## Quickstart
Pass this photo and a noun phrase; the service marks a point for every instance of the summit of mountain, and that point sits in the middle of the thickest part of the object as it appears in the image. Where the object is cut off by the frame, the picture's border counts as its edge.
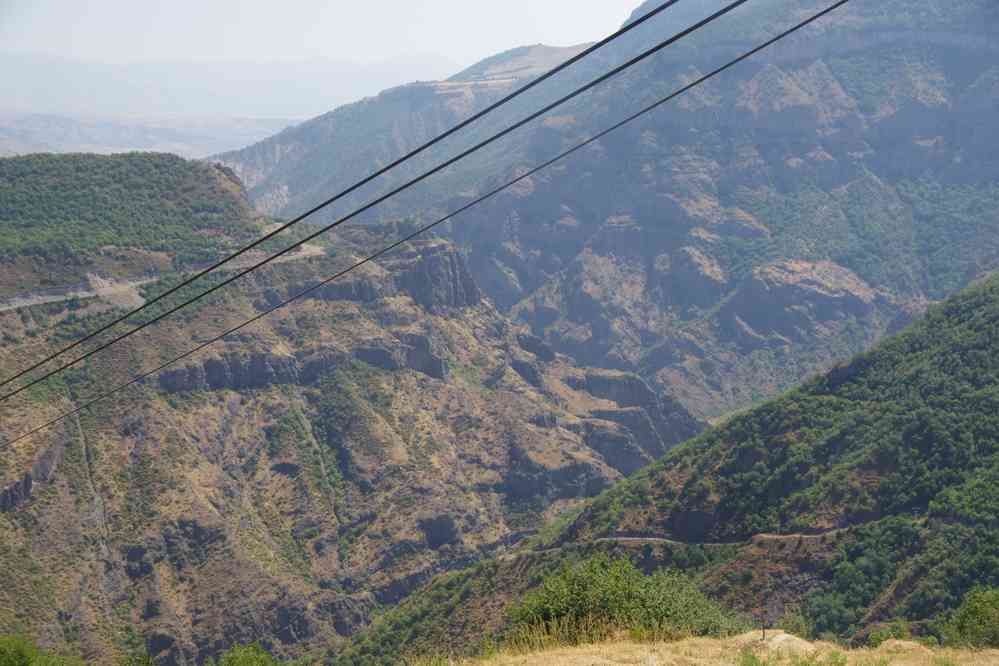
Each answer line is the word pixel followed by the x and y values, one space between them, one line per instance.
pixel 519 63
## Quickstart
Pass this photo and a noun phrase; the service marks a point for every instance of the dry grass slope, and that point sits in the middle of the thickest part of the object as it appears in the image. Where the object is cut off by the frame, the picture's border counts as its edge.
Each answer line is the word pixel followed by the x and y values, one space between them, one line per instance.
pixel 780 649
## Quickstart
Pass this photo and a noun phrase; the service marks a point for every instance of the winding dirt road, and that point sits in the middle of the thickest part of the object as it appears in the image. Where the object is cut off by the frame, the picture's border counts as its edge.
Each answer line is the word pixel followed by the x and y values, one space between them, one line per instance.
pixel 126 293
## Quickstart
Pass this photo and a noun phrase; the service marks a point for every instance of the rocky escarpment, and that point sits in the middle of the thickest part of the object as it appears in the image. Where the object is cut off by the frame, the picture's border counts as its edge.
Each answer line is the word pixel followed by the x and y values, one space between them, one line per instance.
pixel 439 280
pixel 856 152
pixel 234 371
pixel 432 274
pixel 769 223
pixel 42 470
pixel 240 371
pixel 651 423
pixel 791 301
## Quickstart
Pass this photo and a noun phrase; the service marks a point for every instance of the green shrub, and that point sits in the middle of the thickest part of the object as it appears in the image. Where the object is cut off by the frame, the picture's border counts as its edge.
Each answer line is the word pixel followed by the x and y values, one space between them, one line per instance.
pixel 247 655
pixel 21 651
pixel 600 597
pixel 899 630
pixel 17 651
pixel 976 621
pixel 796 622
pixel 748 658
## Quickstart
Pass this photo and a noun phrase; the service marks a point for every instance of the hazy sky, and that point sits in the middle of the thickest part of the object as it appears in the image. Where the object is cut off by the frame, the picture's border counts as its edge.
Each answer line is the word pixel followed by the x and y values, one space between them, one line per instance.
pixel 367 31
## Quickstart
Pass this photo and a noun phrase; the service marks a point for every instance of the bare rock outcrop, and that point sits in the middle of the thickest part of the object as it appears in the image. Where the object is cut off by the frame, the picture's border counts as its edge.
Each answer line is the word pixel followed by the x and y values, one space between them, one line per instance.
pixel 789 300
pixel 412 351
pixel 693 278
pixel 232 371
pixel 656 422
pixel 622 448
pixel 438 279
pixel 17 493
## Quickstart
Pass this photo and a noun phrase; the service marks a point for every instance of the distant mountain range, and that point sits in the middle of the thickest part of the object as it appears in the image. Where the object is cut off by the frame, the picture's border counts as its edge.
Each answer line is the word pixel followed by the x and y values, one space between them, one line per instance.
pixel 190 109
pixel 23 133
pixel 295 89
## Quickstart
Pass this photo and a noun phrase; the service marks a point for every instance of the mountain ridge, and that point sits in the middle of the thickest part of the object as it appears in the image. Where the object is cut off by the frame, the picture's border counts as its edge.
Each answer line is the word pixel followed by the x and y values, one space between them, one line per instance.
pixel 747 197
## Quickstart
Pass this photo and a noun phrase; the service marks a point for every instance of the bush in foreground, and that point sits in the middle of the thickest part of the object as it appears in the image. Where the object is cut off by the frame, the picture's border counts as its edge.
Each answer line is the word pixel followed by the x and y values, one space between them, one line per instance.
pixel 248 655
pixel 21 651
pixel 976 621
pixel 603 597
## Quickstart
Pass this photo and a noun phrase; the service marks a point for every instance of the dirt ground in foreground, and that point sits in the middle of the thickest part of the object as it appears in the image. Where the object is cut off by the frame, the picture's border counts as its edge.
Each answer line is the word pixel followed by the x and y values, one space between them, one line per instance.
pixel 780 649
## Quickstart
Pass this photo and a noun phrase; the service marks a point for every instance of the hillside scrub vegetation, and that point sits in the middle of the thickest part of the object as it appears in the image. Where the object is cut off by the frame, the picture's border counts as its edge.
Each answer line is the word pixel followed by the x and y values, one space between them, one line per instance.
pixel 897 446
pixel 63 207
pixel 601 600
pixel 976 622
pixel 602 597
pixel 22 651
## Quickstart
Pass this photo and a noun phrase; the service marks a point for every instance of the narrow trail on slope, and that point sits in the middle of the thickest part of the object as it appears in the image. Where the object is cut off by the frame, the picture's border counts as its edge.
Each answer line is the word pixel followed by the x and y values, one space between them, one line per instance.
pixel 116 292
pixel 125 293
pixel 654 541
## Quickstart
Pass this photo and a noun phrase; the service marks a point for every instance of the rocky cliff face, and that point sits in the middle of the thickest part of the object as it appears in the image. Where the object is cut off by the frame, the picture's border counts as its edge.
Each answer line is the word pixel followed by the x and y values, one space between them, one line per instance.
pixel 792 302
pixel 785 215
pixel 284 485
pixel 42 471
pixel 766 224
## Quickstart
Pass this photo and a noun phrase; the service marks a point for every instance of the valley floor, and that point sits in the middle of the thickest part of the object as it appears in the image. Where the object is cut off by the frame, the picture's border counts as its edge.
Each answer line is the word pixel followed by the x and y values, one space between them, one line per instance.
pixel 780 649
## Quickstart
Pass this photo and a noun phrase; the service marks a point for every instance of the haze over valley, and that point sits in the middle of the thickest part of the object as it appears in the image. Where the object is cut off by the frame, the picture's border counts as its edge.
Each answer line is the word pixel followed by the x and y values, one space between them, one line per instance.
pixel 730 367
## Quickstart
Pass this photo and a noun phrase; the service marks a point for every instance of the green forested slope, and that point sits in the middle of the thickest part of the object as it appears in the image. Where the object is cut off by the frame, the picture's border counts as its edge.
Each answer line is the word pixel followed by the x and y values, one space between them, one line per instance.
pixel 902 440
pixel 896 431
pixel 68 206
